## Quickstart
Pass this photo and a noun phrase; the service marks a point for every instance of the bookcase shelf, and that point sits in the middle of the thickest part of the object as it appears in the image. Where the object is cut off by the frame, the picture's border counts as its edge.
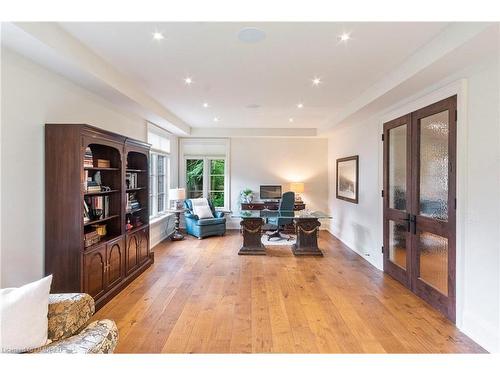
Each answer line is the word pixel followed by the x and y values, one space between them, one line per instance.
pixel 104 268
pixel 100 169
pixel 136 189
pixel 101 192
pixel 100 220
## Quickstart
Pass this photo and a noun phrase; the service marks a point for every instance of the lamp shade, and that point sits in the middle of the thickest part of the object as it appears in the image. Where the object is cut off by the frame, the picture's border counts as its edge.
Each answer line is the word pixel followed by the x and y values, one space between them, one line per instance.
pixel 177 194
pixel 297 187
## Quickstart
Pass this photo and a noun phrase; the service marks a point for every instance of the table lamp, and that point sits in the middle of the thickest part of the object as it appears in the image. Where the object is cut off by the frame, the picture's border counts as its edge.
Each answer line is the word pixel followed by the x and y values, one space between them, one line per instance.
pixel 297 187
pixel 177 196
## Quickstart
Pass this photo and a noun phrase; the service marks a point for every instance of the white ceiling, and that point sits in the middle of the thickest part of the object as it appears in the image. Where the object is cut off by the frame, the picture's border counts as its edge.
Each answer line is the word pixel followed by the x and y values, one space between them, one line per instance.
pixel 274 74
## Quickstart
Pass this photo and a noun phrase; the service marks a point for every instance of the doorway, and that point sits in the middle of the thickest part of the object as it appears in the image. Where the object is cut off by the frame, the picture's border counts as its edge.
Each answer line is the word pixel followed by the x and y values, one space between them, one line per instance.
pixel 420 202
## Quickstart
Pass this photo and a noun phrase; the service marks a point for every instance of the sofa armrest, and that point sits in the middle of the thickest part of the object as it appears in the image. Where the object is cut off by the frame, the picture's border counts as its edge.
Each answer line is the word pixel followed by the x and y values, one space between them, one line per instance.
pixel 68 313
pixel 191 216
pixel 99 337
pixel 219 214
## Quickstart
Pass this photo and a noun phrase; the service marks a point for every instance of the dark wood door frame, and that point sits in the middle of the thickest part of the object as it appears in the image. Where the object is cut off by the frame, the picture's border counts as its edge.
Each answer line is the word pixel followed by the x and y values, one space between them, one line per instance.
pixel 417 223
pixel 398 216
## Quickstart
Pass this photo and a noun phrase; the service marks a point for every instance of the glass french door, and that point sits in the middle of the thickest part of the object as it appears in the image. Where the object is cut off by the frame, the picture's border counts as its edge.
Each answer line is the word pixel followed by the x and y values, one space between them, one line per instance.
pixel 419 202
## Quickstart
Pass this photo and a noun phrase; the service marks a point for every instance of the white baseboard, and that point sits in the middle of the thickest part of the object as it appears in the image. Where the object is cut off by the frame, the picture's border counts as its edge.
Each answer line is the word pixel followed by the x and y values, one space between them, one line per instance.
pixel 352 247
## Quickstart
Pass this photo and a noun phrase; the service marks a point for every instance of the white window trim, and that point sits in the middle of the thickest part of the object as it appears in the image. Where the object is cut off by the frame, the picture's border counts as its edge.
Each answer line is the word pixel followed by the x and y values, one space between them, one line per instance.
pixel 153 189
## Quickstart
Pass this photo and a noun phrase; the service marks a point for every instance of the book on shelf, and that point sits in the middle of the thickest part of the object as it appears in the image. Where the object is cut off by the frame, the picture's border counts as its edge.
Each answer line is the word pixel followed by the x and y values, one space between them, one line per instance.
pixel 102 163
pixel 131 180
pixel 88 160
pixel 132 202
pixel 93 186
pixel 86 214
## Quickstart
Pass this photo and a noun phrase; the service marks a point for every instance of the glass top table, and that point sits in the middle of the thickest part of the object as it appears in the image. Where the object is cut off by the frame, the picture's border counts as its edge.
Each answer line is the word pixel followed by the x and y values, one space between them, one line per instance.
pixel 306 225
pixel 264 214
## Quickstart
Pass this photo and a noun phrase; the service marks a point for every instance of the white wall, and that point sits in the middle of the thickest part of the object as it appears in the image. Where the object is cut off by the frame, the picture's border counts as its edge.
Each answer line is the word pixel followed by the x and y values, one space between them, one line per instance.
pixel 357 225
pixel 31 97
pixel 258 161
pixel 360 226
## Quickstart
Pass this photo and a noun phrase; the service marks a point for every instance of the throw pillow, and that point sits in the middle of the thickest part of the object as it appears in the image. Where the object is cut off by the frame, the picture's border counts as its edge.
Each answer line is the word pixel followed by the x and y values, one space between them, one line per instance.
pixel 24 322
pixel 201 208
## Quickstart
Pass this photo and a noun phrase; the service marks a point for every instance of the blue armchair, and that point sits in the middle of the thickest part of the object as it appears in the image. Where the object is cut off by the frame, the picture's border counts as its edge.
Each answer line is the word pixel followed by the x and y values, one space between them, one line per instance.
pixel 202 228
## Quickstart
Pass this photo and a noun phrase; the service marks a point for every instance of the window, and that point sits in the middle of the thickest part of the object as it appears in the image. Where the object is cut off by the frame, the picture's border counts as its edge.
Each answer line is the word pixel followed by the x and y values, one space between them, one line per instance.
pixel 159 171
pixel 205 169
pixel 217 181
pixel 206 177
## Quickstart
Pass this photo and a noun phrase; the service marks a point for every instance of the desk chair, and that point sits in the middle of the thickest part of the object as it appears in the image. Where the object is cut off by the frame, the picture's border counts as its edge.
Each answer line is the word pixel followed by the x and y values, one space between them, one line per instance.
pixel 286 204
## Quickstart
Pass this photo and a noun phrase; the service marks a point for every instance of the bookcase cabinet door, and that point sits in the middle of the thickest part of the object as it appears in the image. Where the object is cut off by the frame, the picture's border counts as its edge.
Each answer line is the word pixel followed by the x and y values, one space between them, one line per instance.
pixel 143 235
pixel 132 243
pixel 94 272
pixel 115 262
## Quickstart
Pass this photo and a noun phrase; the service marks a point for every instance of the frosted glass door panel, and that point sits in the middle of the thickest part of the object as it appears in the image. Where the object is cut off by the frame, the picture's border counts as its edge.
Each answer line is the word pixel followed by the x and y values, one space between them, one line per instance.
pixel 397 167
pixel 434 132
pixel 397 244
pixel 433 258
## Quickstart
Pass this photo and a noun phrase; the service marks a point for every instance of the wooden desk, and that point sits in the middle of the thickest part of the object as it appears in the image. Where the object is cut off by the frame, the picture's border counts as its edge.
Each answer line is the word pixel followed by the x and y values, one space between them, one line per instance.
pixel 270 206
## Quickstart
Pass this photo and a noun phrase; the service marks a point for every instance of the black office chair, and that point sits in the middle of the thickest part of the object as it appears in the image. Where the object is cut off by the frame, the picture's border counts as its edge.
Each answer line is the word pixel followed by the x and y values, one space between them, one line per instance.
pixel 286 209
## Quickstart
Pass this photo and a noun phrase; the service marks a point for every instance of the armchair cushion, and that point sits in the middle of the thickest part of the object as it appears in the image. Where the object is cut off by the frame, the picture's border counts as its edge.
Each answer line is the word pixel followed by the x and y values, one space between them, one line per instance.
pixel 212 221
pixel 99 337
pixel 68 313
pixel 219 214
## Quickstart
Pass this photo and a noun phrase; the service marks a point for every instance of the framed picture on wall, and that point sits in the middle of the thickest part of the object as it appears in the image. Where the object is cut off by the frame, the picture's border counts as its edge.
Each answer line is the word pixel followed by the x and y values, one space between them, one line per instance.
pixel 347 178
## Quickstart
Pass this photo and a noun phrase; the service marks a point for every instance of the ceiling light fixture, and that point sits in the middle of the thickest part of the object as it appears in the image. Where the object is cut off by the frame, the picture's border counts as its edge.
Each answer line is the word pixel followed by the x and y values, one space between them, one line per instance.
pixel 316 81
pixel 216 119
pixel 188 80
pixel 300 105
pixel 251 35
pixel 290 119
pixel 158 36
pixel 205 105
pixel 344 37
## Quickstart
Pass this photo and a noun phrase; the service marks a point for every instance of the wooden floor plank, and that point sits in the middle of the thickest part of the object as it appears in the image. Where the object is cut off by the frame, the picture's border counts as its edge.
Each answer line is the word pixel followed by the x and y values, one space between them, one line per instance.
pixel 201 297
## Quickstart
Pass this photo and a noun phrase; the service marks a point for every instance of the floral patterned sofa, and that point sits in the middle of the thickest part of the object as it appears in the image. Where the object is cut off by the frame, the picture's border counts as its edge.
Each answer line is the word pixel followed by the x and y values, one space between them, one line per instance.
pixel 68 316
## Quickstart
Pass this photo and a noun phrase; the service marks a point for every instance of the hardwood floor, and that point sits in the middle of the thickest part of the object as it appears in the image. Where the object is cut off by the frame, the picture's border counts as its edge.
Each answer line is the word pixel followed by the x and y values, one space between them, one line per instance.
pixel 201 297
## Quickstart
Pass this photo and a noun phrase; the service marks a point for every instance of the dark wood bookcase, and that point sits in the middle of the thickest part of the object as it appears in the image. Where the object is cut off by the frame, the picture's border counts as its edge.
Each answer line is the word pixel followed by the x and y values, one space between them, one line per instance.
pixel 106 267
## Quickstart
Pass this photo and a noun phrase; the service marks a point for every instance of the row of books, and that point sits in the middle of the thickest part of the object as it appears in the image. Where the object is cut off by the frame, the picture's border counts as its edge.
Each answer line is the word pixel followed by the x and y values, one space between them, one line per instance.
pixel 92 185
pixel 88 160
pixel 131 180
pixel 132 202
pixel 95 208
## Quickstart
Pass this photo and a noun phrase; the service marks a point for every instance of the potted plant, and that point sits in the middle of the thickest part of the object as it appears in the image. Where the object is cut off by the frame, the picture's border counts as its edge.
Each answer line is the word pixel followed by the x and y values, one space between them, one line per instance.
pixel 246 195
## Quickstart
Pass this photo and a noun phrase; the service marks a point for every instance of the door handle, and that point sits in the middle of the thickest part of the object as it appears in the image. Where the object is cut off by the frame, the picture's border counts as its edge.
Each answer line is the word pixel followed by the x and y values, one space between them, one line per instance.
pixel 413 222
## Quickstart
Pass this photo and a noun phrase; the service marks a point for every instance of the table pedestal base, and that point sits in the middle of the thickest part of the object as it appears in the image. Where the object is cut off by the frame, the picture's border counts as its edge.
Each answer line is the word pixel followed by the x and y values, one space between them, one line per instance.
pixel 307 237
pixel 177 235
pixel 252 232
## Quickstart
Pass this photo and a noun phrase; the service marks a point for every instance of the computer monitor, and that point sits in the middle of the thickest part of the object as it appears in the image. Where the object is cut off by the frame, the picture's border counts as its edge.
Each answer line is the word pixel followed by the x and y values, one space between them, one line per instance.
pixel 270 192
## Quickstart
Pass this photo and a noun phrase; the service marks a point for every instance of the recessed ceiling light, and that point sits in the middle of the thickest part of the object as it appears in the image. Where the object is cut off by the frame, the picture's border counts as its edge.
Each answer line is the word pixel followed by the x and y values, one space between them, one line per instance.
pixel 316 81
pixel 205 105
pixel 300 105
pixel 158 36
pixel 290 119
pixel 251 35
pixel 216 119
pixel 188 80
pixel 344 37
